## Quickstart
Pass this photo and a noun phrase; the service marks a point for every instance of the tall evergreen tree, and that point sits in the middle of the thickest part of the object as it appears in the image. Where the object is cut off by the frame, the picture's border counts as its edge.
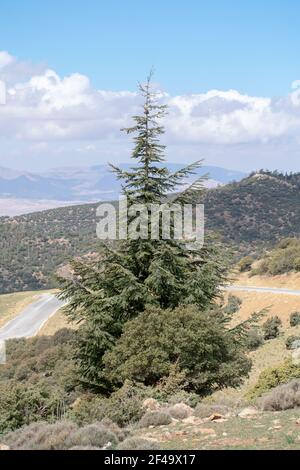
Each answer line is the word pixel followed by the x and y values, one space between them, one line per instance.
pixel 132 274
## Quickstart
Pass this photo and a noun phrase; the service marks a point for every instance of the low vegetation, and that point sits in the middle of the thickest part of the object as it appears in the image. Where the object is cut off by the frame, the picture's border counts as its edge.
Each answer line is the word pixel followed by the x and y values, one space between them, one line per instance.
pixel 274 376
pixel 271 327
pixel 283 259
pixel 283 397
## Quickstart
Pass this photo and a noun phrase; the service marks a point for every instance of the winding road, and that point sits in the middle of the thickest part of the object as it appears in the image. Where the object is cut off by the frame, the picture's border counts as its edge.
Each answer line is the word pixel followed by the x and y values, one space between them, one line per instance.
pixel 32 318
pixel 30 321
pixel 271 290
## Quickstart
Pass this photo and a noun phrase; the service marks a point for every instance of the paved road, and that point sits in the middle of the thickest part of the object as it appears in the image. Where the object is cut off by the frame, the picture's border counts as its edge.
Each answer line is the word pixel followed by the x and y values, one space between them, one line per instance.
pixel 28 322
pixel 271 290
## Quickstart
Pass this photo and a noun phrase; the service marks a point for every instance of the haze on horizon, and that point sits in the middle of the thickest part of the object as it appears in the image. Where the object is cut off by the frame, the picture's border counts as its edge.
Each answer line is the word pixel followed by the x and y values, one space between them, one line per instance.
pixel 233 96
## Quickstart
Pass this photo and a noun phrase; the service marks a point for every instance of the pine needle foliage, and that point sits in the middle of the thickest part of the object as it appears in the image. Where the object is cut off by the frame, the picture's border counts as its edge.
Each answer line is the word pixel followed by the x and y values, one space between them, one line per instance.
pixel 128 276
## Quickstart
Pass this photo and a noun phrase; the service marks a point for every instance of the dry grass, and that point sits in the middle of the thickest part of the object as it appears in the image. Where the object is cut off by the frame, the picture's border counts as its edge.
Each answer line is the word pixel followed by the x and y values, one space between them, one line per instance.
pixel 56 322
pixel 13 304
pixel 281 305
pixel 284 281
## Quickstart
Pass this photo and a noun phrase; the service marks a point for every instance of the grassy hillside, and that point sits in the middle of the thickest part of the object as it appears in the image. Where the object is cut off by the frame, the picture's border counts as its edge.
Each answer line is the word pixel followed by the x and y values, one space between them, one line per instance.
pixel 255 212
pixel 250 215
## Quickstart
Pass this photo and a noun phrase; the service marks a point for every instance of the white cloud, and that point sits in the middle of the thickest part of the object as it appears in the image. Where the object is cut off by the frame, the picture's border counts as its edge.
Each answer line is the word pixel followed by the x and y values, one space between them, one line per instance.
pixel 5 59
pixel 43 108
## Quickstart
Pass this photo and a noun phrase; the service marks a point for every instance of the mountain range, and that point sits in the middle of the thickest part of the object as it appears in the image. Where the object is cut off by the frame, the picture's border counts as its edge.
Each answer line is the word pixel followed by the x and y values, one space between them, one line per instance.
pixel 25 192
pixel 250 216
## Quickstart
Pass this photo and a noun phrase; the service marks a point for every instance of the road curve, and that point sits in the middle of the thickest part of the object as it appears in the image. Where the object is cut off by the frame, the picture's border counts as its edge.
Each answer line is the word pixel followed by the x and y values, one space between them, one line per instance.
pixel 32 318
pixel 271 290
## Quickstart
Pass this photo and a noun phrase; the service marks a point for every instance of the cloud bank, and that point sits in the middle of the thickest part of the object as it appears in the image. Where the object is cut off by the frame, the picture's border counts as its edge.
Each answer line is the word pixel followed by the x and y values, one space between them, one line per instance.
pixel 49 120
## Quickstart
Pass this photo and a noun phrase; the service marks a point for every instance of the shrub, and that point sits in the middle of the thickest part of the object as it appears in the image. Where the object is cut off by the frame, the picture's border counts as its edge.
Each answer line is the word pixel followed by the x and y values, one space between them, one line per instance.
pixel 233 304
pixel 210 354
pixel 274 376
pixel 94 435
pixel 38 380
pixel 113 427
pixel 204 410
pixel 292 342
pixel 295 319
pixel 173 383
pixel 179 411
pixel 245 264
pixel 254 339
pixel 123 406
pixel 21 404
pixel 271 327
pixel 284 258
pixel 41 436
pixel 155 418
pixel 284 397
pixel 137 443
pixel 190 399
pixel 85 448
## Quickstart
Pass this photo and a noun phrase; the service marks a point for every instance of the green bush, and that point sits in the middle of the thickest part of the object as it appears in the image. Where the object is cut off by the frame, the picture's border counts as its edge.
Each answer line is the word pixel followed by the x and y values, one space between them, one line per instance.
pixel 274 376
pixel 211 355
pixel 21 405
pixel 292 342
pixel 123 407
pixel 155 418
pixel 254 339
pixel 38 381
pixel 245 264
pixel 271 327
pixel 283 259
pixel 295 319
pixel 233 304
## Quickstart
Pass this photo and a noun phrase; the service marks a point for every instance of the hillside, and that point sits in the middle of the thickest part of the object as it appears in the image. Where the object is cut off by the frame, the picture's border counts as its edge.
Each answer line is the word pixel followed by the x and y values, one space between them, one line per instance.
pixel 23 192
pixel 256 212
pixel 250 215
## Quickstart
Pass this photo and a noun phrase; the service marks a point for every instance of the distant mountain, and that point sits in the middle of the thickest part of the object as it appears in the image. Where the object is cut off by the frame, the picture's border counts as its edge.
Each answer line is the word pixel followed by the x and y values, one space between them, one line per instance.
pixel 23 192
pixel 250 215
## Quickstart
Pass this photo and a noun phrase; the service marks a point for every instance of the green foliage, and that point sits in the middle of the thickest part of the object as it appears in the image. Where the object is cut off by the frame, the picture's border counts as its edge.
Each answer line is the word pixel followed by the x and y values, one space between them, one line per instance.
pixel 33 246
pixel 245 264
pixel 271 327
pixel 124 280
pixel 254 339
pixel 155 418
pixel 291 340
pixel 210 355
pixel 123 407
pixel 283 259
pixel 38 381
pixel 233 304
pixel 295 319
pixel 274 376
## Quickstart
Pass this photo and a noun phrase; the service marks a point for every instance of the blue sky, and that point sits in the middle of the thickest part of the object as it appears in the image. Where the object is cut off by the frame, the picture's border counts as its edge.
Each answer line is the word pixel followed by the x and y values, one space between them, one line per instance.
pixel 229 69
pixel 252 46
